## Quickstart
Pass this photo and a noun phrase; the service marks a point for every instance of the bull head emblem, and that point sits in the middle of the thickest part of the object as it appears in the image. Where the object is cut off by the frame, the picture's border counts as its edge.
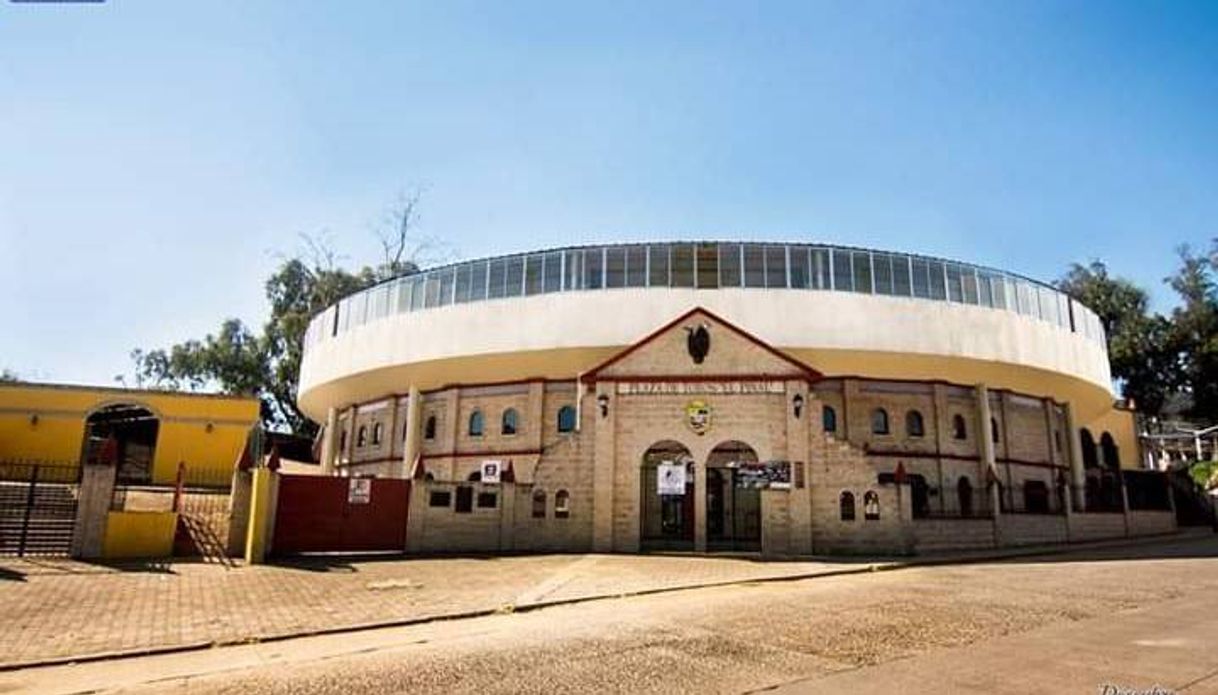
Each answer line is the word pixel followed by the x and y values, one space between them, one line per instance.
pixel 697 340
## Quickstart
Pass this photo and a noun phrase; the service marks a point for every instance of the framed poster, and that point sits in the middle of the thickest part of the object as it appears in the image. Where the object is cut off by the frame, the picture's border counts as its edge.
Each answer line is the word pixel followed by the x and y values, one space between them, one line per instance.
pixel 359 491
pixel 670 478
pixel 491 470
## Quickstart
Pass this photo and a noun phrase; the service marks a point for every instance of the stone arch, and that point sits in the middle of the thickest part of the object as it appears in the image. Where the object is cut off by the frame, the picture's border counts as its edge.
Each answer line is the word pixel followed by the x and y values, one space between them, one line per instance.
pixel 666 521
pixel 1110 453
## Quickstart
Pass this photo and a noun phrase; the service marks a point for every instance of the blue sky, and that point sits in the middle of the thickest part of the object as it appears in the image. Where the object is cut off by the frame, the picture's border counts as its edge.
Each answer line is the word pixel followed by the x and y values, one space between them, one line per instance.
pixel 157 159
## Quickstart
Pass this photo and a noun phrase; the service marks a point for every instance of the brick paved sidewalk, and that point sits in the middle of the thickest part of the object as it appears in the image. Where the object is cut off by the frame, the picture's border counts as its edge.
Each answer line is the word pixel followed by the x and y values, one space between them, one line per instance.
pixel 56 609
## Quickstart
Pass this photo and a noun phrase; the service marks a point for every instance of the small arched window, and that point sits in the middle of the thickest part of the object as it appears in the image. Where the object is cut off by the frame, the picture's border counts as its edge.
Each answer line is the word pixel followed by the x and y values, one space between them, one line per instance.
pixel 828 418
pixel 509 422
pixel 846 502
pixel 566 419
pixel 539 504
pixel 1110 452
pixel 879 421
pixel 377 431
pixel 562 504
pixel 994 430
pixel 959 430
pixel 871 506
pixel 914 426
pixel 475 477
pixel 475 423
pixel 429 427
pixel 361 436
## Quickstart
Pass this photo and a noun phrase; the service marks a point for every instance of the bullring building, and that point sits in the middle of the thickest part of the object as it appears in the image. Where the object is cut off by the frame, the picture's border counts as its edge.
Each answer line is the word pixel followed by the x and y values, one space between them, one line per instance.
pixel 708 396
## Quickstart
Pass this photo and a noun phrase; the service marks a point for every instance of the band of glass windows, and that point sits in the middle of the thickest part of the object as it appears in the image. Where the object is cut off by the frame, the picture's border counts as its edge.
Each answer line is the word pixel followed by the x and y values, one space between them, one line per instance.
pixel 707 265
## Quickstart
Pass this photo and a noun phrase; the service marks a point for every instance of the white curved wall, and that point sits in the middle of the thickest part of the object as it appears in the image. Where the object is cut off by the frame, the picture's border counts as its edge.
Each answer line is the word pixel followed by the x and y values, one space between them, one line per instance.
pixel 609 319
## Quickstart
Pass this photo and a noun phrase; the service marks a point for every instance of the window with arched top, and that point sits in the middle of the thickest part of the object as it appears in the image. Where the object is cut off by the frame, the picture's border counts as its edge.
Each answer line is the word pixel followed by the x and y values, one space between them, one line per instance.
pixel 475 423
pixel 475 477
pixel 828 418
pixel 959 429
pixel 566 419
pixel 377 430
pixel 846 504
pixel 509 422
pixel 429 427
pixel 879 421
pixel 914 425
pixel 539 504
pixel 871 506
pixel 994 430
pixel 361 436
pixel 1110 452
pixel 1090 458
pixel 562 504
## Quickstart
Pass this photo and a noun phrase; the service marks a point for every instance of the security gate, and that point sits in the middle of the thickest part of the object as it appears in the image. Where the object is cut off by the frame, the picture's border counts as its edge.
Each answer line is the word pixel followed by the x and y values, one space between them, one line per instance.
pixel 324 514
pixel 37 508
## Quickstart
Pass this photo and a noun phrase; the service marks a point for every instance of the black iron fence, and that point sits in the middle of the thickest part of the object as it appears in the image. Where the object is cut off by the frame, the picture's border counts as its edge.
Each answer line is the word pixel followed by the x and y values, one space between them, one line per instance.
pixel 37 507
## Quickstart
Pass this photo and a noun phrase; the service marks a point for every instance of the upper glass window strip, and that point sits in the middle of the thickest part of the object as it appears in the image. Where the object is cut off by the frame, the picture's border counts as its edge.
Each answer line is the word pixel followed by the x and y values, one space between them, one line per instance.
pixel 754 266
pixel 775 266
pixel 705 265
pixel 682 256
pixel 615 267
pixel 729 265
pixel 636 266
pixel 657 261
pixel 708 266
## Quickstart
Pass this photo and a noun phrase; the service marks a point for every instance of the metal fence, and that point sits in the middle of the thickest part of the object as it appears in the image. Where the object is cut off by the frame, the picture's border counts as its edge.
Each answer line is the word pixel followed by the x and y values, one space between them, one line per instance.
pixel 37 507
pixel 202 498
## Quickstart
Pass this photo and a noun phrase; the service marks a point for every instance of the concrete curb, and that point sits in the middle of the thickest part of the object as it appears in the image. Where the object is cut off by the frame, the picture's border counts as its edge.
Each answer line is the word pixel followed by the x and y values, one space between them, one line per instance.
pixel 881 566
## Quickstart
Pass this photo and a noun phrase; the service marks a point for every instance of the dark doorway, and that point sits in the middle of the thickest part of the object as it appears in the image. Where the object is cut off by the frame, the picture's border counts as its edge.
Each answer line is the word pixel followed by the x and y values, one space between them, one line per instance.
pixel 733 502
pixel 666 520
pixel 134 429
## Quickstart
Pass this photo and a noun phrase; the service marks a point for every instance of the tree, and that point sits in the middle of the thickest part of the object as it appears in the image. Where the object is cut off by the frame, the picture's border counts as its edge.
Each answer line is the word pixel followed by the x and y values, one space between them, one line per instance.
pixel 7 375
pixel 238 361
pixel 1195 329
pixel 1142 347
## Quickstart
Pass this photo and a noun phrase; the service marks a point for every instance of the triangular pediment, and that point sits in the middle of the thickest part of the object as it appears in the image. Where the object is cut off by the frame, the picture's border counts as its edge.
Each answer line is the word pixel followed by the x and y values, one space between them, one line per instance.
pixel 699 344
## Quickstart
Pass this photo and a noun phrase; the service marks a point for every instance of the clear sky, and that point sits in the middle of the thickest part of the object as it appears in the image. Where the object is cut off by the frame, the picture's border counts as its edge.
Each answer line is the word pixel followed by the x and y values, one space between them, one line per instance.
pixel 157 158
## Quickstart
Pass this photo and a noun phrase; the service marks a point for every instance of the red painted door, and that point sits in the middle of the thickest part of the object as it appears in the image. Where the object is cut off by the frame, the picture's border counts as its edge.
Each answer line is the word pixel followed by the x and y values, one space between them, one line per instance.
pixel 318 514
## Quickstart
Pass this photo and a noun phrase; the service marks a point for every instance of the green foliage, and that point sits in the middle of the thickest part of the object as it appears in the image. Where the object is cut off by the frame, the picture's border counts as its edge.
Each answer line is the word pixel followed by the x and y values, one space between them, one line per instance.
pixel 1205 474
pixel 8 376
pixel 1164 363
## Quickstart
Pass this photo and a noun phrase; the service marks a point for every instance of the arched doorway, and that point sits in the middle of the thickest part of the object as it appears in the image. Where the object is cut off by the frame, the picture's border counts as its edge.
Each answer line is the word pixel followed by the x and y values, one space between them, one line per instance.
pixel 666 505
pixel 134 429
pixel 733 498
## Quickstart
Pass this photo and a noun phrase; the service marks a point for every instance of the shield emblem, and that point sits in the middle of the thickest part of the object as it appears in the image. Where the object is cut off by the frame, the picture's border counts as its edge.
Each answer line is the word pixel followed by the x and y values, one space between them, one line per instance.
pixel 698 417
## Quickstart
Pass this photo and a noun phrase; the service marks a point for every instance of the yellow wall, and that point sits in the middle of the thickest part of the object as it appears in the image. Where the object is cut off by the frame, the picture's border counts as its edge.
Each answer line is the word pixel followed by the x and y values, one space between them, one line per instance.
pixel 58 435
pixel 1123 428
pixel 139 534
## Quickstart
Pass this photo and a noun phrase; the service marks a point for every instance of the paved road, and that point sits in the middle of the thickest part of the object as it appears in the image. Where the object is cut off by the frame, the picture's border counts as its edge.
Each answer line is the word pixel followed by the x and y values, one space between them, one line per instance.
pixel 1135 617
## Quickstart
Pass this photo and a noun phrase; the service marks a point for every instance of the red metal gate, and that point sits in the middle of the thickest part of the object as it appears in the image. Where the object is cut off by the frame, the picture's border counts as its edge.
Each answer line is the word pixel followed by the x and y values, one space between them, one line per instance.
pixel 323 514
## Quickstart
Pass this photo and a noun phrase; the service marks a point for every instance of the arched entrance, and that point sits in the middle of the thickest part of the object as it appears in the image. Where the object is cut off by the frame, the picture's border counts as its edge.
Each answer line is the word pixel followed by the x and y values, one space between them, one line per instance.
pixel 733 498
pixel 666 501
pixel 134 429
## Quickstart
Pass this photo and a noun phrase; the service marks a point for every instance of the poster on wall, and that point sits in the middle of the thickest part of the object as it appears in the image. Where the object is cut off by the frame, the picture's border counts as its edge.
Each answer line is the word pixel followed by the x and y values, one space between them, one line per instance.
pixel 491 471
pixel 763 474
pixel 670 478
pixel 359 491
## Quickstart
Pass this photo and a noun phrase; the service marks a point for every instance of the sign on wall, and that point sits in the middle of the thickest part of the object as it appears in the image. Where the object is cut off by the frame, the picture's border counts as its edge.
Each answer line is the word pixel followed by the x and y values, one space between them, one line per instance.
pixel 359 491
pixel 491 470
pixel 763 474
pixel 670 478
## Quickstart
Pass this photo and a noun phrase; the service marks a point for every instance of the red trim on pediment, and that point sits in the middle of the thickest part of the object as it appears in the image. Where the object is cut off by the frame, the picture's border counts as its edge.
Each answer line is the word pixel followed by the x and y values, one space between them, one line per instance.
pixel 806 371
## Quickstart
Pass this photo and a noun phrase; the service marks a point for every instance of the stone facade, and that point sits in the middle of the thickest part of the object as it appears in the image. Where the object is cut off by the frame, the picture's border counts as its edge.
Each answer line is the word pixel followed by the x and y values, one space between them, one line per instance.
pixel 871 466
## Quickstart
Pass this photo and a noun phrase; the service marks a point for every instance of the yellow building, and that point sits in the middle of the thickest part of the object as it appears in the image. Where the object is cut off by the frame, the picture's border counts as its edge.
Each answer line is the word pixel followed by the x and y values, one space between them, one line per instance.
pixel 155 430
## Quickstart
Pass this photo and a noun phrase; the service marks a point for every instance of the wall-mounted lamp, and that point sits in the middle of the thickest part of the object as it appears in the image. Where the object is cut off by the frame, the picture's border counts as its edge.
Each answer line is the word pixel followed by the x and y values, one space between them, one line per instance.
pixel 34 420
pixel 798 404
pixel 603 401
pixel 208 428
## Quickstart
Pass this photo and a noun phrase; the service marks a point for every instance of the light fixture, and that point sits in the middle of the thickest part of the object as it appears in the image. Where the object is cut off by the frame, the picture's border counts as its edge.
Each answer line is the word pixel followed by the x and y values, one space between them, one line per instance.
pixel 209 428
pixel 603 401
pixel 798 403
pixel 34 420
